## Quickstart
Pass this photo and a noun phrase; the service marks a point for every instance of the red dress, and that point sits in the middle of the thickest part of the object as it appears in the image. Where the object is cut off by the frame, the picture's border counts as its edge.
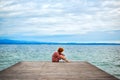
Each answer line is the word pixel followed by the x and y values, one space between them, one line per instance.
pixel 56 57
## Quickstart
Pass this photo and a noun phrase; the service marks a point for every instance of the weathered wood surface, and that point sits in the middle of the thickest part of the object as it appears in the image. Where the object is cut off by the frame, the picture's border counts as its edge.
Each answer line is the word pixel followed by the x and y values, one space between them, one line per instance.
pixel 54 71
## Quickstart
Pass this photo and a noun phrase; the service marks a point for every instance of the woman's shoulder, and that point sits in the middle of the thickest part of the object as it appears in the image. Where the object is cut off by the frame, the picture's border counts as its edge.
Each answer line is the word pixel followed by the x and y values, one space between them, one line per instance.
pixel 55 52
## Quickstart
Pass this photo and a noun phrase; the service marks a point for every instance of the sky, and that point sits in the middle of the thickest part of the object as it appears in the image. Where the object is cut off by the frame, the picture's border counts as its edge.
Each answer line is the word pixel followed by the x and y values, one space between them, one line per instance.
pixel 60 20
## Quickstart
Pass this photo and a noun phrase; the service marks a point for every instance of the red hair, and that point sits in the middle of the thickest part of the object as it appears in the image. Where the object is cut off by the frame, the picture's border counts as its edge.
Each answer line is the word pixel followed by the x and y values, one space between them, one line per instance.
pixel 60 49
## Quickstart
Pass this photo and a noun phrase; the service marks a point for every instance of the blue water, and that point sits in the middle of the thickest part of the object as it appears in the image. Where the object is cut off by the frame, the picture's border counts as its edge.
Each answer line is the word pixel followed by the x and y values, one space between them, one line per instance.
pixel 106 57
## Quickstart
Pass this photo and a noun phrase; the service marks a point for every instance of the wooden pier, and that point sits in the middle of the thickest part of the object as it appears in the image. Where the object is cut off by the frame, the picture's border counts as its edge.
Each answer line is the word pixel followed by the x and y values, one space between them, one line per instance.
pixel 54 71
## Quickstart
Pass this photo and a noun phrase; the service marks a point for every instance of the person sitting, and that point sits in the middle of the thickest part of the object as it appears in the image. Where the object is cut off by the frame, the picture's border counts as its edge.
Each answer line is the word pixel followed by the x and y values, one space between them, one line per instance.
pixel 59 55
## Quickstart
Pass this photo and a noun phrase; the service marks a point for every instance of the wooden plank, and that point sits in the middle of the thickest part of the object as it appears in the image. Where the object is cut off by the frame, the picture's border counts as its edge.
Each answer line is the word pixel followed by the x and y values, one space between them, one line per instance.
pixel 54 71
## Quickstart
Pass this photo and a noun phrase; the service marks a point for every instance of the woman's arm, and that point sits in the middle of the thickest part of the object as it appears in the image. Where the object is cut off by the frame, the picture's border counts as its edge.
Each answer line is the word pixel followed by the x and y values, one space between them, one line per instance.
pixel 63 57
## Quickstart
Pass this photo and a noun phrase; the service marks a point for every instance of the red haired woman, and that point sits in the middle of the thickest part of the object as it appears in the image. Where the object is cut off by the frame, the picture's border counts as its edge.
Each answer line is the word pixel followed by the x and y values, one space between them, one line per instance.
pixel 58 56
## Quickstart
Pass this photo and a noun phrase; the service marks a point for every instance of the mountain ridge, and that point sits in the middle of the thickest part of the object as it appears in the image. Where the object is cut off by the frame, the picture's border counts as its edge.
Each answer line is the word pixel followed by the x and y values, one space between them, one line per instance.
pixel 9 41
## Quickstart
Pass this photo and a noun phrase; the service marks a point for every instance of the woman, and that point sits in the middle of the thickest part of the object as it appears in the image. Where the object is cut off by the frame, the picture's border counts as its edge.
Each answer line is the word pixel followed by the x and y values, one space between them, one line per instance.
pixel 58 56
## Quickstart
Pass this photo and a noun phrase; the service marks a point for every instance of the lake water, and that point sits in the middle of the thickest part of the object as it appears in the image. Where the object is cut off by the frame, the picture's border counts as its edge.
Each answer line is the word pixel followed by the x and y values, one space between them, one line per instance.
pixel 106 57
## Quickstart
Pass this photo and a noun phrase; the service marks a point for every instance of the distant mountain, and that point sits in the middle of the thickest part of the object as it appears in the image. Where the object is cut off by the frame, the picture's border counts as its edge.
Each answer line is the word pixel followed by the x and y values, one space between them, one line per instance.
pixel 8 41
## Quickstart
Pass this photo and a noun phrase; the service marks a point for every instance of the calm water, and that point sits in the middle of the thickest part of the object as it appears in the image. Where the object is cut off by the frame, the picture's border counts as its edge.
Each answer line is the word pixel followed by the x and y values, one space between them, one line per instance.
pixel 106 57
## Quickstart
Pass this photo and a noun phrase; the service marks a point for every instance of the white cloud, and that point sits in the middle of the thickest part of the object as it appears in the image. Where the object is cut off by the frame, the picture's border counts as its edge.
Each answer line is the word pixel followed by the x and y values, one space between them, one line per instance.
pixel 58 18
pixel 15 5
pixel 51 8
pixel 46 20
pixel 48 6
pixel 4 3
pixel 13 8
pixel 29 9
pixel 113 3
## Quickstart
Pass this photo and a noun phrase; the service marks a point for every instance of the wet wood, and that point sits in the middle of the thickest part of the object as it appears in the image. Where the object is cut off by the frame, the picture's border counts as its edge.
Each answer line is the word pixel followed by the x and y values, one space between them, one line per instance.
pixel 54 71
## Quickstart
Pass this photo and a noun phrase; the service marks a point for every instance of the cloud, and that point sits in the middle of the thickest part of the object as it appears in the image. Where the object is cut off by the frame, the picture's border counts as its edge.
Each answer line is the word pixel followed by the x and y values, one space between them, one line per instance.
pixel 111 3
pixel 73 17
pixel 29 8
pixel 16 9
